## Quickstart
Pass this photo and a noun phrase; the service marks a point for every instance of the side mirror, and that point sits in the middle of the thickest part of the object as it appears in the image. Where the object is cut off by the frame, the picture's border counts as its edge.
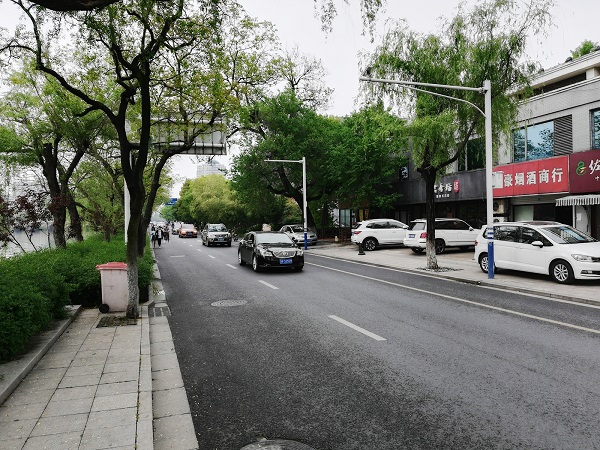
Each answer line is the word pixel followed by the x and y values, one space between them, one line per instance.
pixel 539 244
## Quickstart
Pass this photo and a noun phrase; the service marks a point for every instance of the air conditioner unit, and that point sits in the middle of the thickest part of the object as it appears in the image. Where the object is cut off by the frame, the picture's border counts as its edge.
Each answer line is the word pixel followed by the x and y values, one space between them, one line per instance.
pixel 500 207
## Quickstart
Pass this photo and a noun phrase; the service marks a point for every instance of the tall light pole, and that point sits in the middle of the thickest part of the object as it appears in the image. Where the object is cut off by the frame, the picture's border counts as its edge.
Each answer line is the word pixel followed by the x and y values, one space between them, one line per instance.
pixel 304 221
pixel 486 90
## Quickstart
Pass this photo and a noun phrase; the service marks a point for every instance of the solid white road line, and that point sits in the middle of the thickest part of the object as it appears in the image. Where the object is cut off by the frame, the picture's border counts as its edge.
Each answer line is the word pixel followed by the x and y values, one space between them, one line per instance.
pixel 232 266
pixel 177 256
pixel 469 302
pixel 359 329
pixel 267 284
pixel 211 256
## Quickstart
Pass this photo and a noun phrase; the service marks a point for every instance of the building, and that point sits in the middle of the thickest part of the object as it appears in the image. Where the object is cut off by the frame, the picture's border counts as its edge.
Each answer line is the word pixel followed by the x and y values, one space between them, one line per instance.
pixel 211 168
pixel 550 169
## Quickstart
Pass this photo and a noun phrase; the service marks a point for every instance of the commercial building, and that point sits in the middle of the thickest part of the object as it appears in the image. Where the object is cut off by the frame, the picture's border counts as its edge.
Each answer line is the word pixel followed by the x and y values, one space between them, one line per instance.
pixel 549 169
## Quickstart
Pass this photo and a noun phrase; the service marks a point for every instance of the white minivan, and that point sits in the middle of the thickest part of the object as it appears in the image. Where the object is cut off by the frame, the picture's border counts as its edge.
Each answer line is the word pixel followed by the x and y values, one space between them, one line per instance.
pixel 549 248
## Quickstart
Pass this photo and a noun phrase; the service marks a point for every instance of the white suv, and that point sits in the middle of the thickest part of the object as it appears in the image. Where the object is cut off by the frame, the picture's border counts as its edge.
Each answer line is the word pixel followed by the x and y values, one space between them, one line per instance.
pixel 377 232
pixel 549 248
pixel 448 233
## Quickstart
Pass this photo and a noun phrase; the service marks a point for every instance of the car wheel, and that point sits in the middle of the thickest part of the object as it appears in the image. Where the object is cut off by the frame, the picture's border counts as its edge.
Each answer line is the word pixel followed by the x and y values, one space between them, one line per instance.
pixel 483 262
pixel 240 259
pixel 440 246
pixel 417 249
pixel 298 268
pixel 255 265
pixel 369 244
pixel 561 272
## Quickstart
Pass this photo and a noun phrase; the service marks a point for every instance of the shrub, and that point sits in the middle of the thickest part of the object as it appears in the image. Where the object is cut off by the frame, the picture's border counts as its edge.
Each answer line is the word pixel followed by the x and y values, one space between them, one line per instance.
pixel 36 286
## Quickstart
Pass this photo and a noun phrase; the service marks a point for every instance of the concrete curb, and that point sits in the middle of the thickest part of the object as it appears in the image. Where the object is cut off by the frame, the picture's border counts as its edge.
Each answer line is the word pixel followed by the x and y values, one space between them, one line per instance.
pixel 13 372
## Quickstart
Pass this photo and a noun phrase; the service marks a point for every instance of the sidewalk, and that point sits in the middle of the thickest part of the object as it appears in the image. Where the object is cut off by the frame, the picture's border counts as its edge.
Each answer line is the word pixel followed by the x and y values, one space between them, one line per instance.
pixel 119 386
pixel 87 386
pixel 460 265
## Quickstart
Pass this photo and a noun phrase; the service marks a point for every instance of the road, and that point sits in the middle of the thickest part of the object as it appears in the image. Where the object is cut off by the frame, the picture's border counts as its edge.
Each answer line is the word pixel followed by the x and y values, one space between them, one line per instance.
pixel 350 356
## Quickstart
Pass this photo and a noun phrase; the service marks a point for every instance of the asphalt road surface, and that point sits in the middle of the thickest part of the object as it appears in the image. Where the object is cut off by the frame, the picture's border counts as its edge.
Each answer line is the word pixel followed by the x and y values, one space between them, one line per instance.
pixel 349 356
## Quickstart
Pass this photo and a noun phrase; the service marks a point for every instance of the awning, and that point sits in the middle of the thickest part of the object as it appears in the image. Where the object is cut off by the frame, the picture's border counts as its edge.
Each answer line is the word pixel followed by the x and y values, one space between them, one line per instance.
pixel 579 200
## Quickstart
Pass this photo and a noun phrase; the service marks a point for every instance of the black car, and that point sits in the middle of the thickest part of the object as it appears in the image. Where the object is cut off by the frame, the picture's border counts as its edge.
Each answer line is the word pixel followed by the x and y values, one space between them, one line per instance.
pixel 270 249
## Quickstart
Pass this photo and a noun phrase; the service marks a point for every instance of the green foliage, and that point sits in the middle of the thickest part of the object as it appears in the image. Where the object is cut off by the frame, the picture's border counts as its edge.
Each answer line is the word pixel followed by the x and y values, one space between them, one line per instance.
pixel 584 48
pixel 36 287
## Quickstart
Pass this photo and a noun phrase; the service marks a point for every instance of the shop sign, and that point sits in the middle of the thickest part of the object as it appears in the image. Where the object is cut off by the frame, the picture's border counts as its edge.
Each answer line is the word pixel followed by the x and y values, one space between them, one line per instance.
pixel 446 189
pixel 584 172
pixel 542 176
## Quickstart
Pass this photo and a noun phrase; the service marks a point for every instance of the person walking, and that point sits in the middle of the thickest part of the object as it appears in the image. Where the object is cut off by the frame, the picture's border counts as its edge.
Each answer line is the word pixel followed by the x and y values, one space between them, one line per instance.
pixel 167 233
pixel 159 235
pixel 153 236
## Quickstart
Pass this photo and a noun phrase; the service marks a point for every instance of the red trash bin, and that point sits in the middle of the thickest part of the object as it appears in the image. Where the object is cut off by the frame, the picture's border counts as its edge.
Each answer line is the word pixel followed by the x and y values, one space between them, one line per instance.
pixel 115 292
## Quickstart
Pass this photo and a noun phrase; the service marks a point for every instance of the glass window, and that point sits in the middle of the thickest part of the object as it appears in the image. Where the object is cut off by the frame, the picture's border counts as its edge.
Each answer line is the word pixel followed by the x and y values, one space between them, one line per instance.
pixel 596 129
pixel 506 233
pixel 534 142
pixel 475 155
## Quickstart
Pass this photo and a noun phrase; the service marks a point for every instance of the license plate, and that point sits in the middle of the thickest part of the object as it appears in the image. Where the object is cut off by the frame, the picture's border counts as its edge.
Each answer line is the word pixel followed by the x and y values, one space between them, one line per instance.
pixel 411 235
pixel 285 261
pixel 221 239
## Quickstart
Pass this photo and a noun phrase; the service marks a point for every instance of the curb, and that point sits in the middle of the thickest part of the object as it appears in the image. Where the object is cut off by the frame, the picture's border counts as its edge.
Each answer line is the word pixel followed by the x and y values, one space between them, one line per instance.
pixel 13 372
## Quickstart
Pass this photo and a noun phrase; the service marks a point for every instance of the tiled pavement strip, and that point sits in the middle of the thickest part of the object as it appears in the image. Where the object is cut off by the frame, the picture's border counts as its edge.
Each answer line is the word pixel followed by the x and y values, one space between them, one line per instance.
pixel 87 388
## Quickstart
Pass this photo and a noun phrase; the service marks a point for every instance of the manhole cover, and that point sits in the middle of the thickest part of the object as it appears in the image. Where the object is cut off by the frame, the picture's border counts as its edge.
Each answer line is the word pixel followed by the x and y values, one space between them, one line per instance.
pixel 229 303
pixel 277 444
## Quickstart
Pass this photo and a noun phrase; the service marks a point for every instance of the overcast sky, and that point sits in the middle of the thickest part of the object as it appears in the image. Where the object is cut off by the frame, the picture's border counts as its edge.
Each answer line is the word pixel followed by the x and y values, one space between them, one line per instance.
pixel 575 21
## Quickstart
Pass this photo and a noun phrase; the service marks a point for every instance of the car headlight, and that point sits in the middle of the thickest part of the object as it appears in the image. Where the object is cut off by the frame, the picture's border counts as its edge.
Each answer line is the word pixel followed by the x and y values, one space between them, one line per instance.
pixel 582 258
pixel 264 252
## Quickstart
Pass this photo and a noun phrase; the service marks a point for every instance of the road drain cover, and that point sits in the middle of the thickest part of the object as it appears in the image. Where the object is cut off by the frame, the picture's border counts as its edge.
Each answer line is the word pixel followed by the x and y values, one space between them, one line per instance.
pixel 229 303
pixel 277 444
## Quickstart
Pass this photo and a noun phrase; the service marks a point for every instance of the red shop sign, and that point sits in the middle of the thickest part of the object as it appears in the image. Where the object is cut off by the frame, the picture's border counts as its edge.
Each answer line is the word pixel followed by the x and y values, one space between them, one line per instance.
pixel 541 176
pixel 584 171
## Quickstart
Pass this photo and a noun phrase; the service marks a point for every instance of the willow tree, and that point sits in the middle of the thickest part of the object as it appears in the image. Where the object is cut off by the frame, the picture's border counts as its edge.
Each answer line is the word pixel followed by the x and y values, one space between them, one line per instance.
pixel 486 42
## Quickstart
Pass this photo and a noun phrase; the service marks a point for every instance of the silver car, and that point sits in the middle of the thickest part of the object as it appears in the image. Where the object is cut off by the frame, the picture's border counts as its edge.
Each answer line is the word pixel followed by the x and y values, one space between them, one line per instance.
pixel 296 232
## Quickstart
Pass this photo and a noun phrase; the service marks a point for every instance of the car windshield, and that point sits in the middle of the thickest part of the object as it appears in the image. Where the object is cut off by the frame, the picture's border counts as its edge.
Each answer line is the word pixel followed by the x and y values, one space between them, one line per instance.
pixel 187 225
pixel 564 234
pixel 273 238
pixel 218 227
pixel 297 228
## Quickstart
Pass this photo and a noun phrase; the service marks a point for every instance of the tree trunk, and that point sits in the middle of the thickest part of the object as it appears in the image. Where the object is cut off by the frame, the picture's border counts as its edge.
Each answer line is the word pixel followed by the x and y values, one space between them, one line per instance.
pixel 75 229
pixel 429 175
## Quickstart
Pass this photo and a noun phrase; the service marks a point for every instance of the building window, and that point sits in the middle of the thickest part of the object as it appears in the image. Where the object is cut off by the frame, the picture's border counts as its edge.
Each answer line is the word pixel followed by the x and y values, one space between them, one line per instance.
pixel 474 157
pixel 596 129
pixel 534 142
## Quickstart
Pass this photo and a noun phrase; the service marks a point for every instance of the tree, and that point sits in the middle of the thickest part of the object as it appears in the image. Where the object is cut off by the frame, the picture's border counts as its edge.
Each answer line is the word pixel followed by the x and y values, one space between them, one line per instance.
pixel 366 163
pixel 288 130
pixel 54 139
pixel 485 43
pixel 584 48
pixel 146 55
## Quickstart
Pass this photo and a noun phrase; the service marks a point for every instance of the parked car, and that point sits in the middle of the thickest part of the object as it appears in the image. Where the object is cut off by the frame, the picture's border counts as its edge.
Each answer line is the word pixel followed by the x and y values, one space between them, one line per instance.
pixel 296 232
pixel 549 248
pixel 216 234
pixel 187 230
pixel 448 233
pixel 376 233
pixel 270 249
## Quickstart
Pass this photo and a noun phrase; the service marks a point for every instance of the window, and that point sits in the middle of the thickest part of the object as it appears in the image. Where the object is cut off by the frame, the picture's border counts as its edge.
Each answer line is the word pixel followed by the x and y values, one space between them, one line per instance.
pixel 596 129
pixel 474 157
pixel 534 142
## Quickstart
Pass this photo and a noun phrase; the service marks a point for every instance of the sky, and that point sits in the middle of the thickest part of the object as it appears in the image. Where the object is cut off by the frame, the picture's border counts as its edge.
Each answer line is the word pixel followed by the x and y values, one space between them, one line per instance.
pixel 575 21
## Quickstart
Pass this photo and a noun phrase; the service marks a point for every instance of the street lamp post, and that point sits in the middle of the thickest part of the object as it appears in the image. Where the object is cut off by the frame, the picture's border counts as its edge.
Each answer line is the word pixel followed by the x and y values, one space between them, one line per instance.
pixel 486 89
pixel 304 221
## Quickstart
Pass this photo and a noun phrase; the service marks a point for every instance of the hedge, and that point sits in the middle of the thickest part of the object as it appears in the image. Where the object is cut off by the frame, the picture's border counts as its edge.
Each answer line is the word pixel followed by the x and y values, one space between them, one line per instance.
pixel 37 286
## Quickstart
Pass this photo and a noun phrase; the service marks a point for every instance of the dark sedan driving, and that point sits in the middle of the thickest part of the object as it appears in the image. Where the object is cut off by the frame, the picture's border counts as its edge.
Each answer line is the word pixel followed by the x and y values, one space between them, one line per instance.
pixel 269 249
